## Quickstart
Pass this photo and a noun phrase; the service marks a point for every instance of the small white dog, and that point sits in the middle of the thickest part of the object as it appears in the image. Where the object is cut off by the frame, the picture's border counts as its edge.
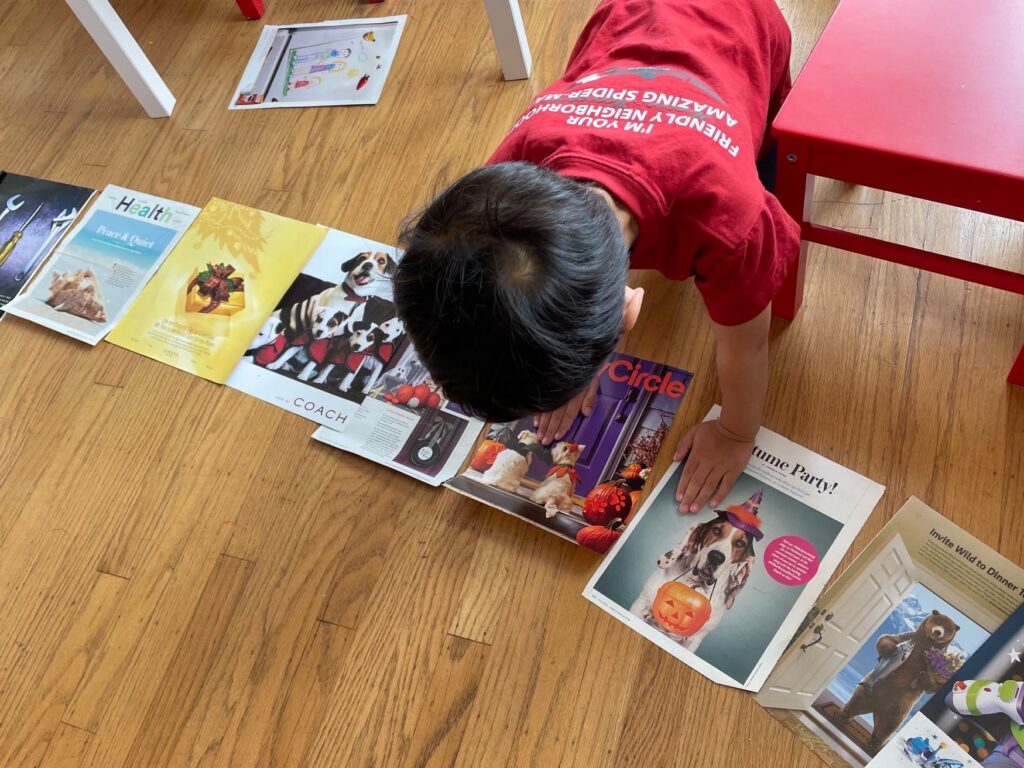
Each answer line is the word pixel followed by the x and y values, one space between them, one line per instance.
pixel 715 559
pixel 556 491
pixel 511 464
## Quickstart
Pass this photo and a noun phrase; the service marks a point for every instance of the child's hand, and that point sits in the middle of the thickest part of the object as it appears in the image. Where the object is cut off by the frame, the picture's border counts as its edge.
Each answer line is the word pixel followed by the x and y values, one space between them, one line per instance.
pixel 716 459
pixel 553 424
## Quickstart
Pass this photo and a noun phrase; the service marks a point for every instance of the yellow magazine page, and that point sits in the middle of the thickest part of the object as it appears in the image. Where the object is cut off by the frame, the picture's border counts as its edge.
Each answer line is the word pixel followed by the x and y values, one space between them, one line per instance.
pixel 216 288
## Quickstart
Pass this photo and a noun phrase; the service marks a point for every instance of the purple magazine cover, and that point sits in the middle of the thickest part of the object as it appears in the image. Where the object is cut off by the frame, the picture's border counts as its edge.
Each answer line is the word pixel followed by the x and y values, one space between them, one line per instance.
pixel 604 458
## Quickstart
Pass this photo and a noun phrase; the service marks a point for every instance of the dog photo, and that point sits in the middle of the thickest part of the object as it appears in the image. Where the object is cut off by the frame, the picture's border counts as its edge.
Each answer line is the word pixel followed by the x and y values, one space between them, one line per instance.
pixel 698 583
pixel 594 474
pixel 333 335
pixel 338 334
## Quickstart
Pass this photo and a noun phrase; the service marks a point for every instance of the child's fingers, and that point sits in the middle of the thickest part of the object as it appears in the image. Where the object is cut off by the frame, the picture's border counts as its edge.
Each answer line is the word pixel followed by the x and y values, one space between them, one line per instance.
pixel 567 417
pixel 694 487
pixel 728 481
pixel 705 492
pixel 684 446
pixel 589 397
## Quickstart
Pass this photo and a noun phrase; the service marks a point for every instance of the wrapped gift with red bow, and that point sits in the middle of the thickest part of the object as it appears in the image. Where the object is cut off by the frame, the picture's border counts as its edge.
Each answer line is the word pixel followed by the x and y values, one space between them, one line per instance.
pixel 216 290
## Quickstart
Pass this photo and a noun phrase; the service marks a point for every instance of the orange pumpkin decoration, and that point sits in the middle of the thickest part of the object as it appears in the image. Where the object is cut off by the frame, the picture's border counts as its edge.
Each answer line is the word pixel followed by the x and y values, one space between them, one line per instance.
pixel 485 455
pixel 680 609
pixel 606 502
pixel 598 538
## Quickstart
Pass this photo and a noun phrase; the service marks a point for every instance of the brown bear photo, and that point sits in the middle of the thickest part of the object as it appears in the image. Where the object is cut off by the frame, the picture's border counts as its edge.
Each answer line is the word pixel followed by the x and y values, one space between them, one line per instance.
pixel 903 675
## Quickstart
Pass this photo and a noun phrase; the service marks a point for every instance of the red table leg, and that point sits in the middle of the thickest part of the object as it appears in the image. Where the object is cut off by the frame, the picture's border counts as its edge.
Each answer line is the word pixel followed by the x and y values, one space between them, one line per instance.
pixel 251 9
pixel 795 190
pixel 1017 372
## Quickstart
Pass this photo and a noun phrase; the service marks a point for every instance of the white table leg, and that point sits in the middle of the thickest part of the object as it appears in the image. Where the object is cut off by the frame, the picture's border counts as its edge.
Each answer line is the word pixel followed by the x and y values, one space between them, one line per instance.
pixel 509 38
pixel 124 55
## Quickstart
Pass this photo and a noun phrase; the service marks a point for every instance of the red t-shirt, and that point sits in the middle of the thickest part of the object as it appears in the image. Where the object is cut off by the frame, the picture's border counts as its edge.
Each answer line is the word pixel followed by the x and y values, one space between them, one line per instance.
pixel 665 104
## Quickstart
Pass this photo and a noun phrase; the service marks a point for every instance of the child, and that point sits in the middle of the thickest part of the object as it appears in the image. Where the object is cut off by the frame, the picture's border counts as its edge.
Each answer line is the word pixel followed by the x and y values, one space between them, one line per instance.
pixel 644 154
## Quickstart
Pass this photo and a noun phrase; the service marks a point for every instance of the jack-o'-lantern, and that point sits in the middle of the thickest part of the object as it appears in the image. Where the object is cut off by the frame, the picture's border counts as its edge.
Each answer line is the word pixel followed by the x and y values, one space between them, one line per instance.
pixel 606 502
pixel 680 609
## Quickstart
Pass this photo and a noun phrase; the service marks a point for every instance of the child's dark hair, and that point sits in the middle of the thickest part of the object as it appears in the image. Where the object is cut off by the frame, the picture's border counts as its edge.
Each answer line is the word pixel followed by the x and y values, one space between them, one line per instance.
pixel 512 289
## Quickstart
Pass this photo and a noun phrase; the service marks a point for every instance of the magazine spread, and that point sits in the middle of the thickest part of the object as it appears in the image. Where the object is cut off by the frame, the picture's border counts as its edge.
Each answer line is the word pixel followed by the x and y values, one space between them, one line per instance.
pixel 104 263
pixel 920 599
pixel 330 63
pixel 423 437
pixel 585 486
pixel 977 717
pixel 582 488
pixel 217 287
pixel 333 337
pixel 724 590
pixel 34 215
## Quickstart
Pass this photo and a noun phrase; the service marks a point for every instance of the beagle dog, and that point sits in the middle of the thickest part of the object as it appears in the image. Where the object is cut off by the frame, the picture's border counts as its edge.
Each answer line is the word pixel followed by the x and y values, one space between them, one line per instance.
pixel 369 274
pixel 715 559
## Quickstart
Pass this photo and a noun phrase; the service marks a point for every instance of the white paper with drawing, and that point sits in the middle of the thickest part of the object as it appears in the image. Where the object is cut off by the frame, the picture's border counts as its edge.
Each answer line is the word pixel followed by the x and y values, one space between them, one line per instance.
pixel 725 589
pixel 330 63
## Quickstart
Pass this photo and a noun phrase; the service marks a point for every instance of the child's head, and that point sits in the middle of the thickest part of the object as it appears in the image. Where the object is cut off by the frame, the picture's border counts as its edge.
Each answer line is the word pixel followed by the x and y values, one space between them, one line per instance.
pixel 512 289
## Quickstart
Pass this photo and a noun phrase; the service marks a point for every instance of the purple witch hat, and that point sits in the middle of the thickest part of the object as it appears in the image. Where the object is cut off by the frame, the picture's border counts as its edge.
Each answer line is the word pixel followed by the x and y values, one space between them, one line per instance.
pixel 744 516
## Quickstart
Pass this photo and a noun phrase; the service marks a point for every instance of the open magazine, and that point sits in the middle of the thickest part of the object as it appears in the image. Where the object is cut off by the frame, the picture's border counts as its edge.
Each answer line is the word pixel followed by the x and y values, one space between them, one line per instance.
pixel 34 215
pixel 104 263
pixel 976 718
pixel 584 487
pixel 918 603
pixel 333 337
pixel 725 589
pixel 216 289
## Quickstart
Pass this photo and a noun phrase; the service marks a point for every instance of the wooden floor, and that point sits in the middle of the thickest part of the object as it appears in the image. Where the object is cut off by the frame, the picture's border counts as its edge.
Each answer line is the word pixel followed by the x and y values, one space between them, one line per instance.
pixel 186 579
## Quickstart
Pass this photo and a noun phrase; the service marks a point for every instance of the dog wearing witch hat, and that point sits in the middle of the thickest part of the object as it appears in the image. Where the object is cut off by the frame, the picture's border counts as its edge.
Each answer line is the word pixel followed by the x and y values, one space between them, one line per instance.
pixel 715 558
pixel 556 491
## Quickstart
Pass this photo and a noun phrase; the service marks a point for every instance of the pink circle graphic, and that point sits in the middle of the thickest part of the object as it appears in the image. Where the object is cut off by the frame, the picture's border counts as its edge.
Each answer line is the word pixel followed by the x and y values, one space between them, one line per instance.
pixel 791 560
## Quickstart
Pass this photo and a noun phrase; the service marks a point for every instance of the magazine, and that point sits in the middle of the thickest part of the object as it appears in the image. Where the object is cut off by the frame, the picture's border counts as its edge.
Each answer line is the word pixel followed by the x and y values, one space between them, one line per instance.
pixel 104 263
pixel 977 717
pixel 330 63
pixel 34 214
pixel 920 599
pixel 333 337
pixel 583 487
pixel 217 288
pixel 724 589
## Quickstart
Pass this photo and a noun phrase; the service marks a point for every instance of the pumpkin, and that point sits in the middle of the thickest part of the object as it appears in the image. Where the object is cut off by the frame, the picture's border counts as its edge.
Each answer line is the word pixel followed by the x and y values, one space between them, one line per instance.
pixel 597 537
pixel 606 502
pixel 403 393
pixel 433 399
pixel 486 454
pixel 680 609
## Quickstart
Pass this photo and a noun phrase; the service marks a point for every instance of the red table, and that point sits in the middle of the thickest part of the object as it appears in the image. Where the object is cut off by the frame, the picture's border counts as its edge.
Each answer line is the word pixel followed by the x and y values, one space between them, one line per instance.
pixel 919 97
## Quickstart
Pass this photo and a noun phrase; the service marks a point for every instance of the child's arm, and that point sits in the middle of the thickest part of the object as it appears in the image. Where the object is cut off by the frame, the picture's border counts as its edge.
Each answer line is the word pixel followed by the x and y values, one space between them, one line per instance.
pixel 719 450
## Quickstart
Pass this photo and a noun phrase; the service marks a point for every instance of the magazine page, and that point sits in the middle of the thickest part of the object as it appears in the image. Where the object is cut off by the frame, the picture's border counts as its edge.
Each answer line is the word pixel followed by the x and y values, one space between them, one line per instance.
pixel 217 287
pixel 725 589
pixel 922 597
pixel 585 486
pixel 34 215
pixel 332 337
pixel 330 63
pixel 407 425
pixel 977 717
pixel 104 263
